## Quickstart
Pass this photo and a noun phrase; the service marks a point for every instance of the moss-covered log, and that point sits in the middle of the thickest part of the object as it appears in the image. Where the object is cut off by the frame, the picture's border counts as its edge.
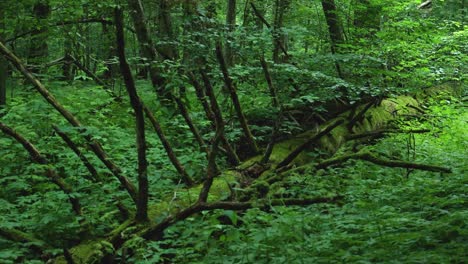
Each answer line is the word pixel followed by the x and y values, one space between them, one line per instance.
pixel 163 214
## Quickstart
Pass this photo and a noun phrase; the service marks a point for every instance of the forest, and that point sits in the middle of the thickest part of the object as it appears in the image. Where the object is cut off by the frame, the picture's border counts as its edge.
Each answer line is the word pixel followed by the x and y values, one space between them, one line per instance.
pixel 236 131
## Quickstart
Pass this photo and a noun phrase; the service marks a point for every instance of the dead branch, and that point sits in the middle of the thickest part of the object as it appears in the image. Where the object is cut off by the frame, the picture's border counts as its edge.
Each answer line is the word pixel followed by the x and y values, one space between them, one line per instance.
pixel 380 132
pixel 77 151
pixel 383 162
pixel 167 146
pixel 19 236
pixel 309 143
pixel 157 229
pixel 93 144
pixel 218 117
pixel 38 158
pixel 235 100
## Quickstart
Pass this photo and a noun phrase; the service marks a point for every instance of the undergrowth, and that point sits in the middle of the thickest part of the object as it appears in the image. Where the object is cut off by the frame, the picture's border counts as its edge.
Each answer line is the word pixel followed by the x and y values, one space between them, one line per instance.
pixel 388 215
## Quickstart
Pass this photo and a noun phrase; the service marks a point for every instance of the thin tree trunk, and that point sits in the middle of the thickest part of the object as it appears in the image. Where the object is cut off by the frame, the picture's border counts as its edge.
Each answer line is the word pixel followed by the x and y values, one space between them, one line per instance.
pixel 261 19
pixel 93 144
pixel 272 88
pixel 94 175
pixel 217 114
pixel 38 158
pixel 3 62
pixel 212 170
pixel 142 201
pixel 334 29
pixel 252 145
pixel 165 29
pixel 145 43
pixel 231 26
pixel 39 49
pixel 108 52
pixel 185 114
pixel 76 150
pixel 202 97
pixel 279 38
pixel 167 146
pixel 275 102
pixel 67 70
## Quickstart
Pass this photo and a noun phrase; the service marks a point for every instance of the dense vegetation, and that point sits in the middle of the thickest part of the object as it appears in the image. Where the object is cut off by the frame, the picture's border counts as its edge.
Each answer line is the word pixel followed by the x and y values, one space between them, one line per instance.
pixel 248 131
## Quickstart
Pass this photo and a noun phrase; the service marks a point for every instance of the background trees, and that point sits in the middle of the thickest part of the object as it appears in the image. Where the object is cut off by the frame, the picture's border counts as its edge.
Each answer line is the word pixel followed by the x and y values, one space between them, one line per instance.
pixel 218 81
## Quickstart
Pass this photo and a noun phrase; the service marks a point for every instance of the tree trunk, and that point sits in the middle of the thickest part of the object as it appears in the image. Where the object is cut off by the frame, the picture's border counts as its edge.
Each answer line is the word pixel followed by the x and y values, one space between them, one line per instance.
pixel 137 105
pixel 108 52
pixel 93 144
pixel 279 38
pixel 231 26
pixel 39 49
pixel 252 145
pixel 165 30
pixel 3 62
pixel 145 43
pixel 334 29
pixel 67 69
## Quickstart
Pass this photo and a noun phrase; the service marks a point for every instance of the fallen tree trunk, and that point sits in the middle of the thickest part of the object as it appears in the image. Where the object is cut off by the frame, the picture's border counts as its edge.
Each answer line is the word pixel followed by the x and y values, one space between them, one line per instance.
pixel 333 134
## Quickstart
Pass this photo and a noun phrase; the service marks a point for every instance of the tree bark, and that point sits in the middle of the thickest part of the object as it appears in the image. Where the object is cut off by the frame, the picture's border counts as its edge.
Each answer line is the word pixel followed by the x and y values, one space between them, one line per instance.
pixel 145 43
pixel 334 29
pixel 252 145
pixel 3 62
pixel 231 26
pixel 279 38
pixel 167 147
pixel 39 48
pixel 165 29
pixel 137 105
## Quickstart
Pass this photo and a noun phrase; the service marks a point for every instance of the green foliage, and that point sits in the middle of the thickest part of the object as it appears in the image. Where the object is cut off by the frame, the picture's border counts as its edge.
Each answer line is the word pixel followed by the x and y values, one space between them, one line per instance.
pixel 388 215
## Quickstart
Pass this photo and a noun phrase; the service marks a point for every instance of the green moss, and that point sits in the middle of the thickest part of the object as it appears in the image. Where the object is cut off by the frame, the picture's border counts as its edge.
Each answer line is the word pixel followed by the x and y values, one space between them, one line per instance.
pixel 86 252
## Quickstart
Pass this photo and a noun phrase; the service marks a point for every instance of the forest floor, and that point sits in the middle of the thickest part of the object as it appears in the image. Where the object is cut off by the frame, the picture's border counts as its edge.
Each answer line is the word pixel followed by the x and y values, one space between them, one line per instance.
pixel 388 215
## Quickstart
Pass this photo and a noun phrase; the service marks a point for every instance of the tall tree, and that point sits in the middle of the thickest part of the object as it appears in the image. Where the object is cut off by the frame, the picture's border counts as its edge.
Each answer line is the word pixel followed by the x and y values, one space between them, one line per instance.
pixel 137 105
pixel 279 37
pixel 3 61
pixel 231 26
pixel 165 29
pixel 334 29
pixel 39 49
pixel 145 43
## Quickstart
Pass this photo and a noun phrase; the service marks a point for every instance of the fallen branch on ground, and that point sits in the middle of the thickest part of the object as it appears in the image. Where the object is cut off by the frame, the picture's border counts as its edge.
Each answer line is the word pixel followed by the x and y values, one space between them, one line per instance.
pixel 364 155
